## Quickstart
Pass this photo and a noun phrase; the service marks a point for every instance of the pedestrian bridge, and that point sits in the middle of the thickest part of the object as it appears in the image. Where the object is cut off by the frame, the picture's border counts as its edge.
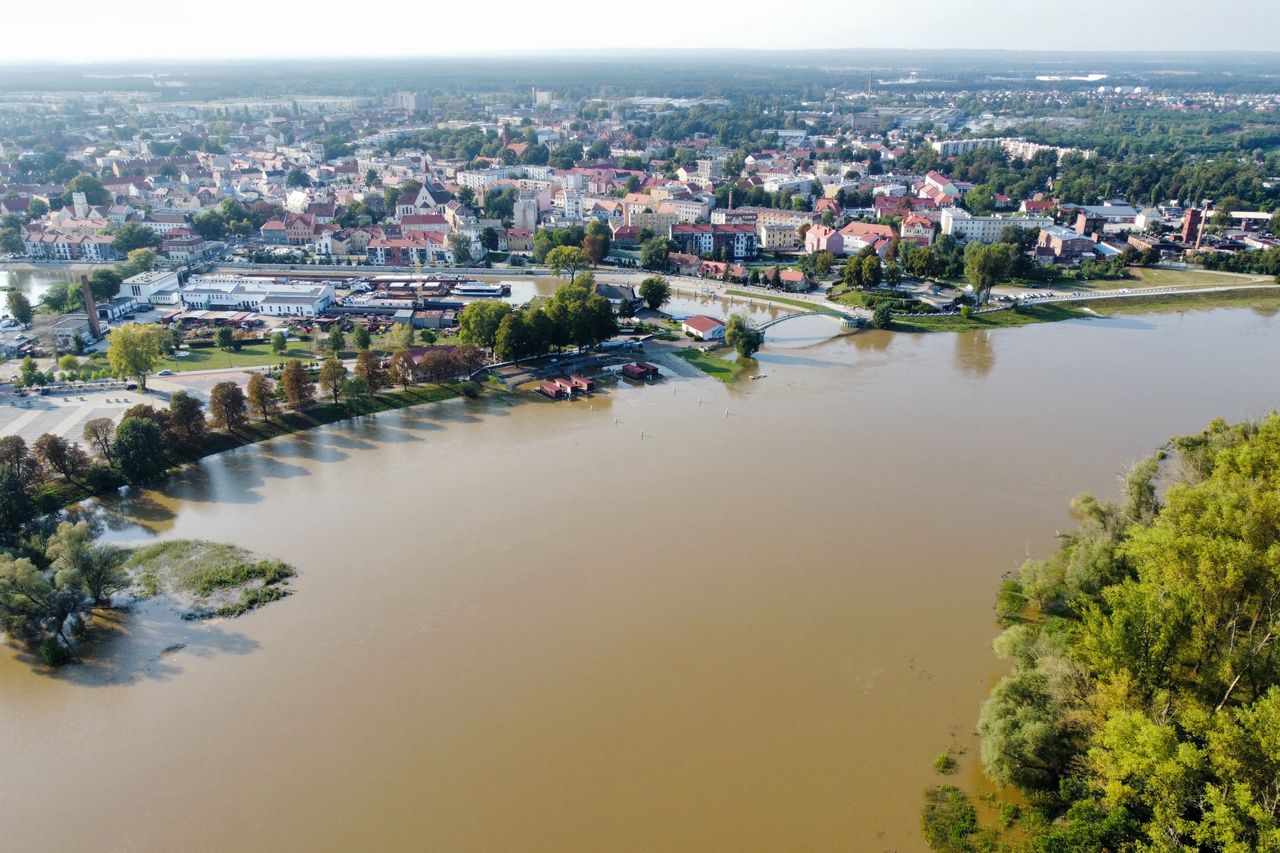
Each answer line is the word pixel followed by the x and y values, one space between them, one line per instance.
pixel 848 319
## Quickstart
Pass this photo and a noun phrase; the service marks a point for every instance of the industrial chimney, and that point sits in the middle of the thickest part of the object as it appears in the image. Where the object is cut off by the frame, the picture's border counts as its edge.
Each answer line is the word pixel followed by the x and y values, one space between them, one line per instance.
pixel 90 307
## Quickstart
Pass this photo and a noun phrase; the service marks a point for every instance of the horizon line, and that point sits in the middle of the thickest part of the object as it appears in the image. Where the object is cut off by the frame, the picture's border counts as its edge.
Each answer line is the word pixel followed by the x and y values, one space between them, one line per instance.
pixel 700 56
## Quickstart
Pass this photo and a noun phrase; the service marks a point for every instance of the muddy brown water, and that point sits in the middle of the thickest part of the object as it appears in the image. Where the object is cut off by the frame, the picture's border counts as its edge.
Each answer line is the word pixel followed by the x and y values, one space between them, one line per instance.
pixel 527 627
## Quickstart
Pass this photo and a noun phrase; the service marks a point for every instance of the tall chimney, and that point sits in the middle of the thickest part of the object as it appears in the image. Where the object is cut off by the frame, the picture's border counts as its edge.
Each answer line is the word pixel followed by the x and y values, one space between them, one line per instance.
pixel 90 307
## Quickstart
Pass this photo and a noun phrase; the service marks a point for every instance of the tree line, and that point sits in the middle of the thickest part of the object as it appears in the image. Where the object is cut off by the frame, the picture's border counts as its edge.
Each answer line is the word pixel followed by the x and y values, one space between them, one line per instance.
pixel 1143 704
pixel 574 316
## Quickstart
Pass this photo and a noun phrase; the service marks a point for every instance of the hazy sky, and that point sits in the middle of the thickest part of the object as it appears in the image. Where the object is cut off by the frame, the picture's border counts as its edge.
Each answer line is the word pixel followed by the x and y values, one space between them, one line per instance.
pixel 136 29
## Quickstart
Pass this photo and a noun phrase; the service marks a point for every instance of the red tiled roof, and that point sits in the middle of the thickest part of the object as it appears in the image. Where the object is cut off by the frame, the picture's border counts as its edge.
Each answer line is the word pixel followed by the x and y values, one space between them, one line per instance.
pixel 702 324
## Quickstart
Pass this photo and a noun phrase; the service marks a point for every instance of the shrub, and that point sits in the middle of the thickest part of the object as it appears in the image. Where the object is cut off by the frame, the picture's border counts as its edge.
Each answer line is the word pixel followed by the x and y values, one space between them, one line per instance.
pixel 470 389
pixel 102 478
pixel 948 818
pixel 51 497
pixel 944 763
pixel 53 652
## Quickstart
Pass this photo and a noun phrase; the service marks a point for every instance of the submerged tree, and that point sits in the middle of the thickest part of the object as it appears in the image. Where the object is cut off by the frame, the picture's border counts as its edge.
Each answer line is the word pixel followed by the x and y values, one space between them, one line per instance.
pixel 743 336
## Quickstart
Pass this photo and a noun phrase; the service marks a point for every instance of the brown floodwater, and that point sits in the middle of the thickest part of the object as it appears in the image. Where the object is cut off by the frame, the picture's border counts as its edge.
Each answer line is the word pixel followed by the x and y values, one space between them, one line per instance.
pixel 679 617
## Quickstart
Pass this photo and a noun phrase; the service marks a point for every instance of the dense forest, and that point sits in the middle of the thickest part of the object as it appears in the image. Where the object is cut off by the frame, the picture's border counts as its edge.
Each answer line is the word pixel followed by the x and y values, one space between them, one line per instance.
pixel 1142 711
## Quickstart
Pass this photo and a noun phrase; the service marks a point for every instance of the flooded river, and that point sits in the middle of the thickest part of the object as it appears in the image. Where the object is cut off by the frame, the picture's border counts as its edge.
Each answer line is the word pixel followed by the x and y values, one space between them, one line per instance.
pixel 679 617
pixel 34 283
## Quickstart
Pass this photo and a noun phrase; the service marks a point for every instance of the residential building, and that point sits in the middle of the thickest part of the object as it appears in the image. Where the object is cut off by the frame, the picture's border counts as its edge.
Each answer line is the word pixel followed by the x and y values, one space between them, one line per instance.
pixel 777 237
pixel 737 241
pixel 966 227
pixel 1064 245
pixel 703 328
pixel 916 229
pixel 859 235
pixel 821 238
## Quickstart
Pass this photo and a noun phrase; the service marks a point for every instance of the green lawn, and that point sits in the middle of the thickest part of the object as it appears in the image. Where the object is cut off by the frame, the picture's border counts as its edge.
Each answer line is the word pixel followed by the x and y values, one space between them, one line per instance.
pixel 795 303
pixel 249 355
pixel 993 320
pixel 1152 277
pixel 710 364
pixel 1260 296
pixel 852 298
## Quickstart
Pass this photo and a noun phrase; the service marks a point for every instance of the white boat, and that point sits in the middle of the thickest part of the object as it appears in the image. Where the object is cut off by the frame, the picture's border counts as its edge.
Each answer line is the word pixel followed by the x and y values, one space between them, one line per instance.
pixel 478 288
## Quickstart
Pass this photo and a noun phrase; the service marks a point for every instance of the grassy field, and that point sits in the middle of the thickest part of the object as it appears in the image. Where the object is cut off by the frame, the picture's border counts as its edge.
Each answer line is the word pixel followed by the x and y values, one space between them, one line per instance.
pixel 1152 277
pixel 994 320
pixel 1261 296
pixel 782 300
pixel 710 364
pixel 249 355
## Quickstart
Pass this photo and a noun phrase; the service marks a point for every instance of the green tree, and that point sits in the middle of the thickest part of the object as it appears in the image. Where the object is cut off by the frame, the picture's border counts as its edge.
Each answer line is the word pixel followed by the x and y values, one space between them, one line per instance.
pixel 138 260
pixel 872 271
pixel 332 375
pixel 35 610
pixel 297 178
pixel 985 267
pixel 134 350
pixel 514 339
pixel 11 241
pixel 19 306
pixel 81 563
pixel 133 235
pixel 279 343
pixel 882 316
pixel 596 242
pixel 228 409
pixel 656 292
pixel 94 192
pixel 186 421
pixel 654 253
pixel 478 322
pixel 357 393
pixel 336 342
pixel 567 260
pixel 139 450
pixel 105 285
pixel 460 245
pixel 743 336
pixel 225 338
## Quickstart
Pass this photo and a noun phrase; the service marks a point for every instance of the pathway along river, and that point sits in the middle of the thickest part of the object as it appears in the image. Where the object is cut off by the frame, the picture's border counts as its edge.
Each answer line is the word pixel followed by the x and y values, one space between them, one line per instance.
pixel 526 627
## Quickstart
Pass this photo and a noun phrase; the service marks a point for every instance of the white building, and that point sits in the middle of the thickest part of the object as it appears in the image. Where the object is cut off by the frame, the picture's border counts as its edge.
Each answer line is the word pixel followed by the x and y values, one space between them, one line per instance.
pixel 243 293
pixel 157 287
pixel 986 229
pixel 956 147
pixel 524 214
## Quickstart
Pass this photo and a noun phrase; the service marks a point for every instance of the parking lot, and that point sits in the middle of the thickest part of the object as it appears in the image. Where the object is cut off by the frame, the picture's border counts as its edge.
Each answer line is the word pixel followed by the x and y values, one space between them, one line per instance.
pixel 63 414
